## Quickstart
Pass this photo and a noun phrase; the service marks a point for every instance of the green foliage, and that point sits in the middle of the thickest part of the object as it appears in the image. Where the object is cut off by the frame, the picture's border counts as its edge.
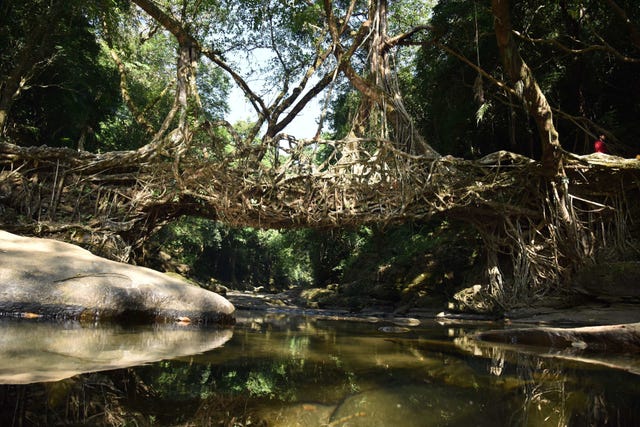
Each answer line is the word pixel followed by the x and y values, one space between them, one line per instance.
pixel 247 257
pixel 243 257
pixel 70 90
pixel 149 58
pixel 368 265
pixel 187 238
pixel 69 85
pixel 260 385
pixel 305 19
pixel 441 95
pixel 213 88
pixel 291 263
pixel 276 38
pixel 67 88
pixel 407 264
pixel 344 109
pixel 595 84
pixel 482 112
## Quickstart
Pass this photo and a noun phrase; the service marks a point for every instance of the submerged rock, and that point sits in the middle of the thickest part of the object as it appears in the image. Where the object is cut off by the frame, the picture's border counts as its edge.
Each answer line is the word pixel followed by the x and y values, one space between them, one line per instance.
pixel 299 415
pixel 52 279
pixel 414 405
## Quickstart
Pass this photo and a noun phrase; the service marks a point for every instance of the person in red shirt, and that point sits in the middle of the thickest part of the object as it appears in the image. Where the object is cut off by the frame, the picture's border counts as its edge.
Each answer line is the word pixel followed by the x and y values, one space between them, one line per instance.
pixel 599 146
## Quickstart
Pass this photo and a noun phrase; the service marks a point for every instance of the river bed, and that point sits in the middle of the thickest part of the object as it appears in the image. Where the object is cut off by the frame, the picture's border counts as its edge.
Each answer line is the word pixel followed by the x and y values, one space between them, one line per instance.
pixel 278 369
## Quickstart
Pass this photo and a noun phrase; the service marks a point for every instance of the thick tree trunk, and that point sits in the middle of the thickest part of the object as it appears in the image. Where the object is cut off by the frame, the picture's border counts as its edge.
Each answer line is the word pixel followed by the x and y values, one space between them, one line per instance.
pixel 397 123
pixel 526 86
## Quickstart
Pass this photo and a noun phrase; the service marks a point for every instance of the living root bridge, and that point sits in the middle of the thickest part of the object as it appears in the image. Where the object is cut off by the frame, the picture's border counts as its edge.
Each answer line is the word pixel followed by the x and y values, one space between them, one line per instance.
pixel 545 227
pixel 317 184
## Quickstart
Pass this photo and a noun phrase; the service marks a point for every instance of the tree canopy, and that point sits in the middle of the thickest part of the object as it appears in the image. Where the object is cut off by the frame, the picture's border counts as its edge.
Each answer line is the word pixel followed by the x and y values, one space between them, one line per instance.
pixel 107 75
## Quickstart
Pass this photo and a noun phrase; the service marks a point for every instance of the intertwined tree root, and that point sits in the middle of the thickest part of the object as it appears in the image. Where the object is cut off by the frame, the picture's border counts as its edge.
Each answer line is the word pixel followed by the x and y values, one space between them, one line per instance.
pixel 537 230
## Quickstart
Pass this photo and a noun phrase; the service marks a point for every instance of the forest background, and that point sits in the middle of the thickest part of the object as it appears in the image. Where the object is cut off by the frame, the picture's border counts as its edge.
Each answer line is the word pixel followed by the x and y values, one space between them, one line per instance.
pixel 101 76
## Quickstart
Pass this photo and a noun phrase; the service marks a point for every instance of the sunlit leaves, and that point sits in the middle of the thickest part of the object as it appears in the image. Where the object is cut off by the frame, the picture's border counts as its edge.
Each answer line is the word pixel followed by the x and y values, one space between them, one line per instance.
pixel 481 113
pixel 406 14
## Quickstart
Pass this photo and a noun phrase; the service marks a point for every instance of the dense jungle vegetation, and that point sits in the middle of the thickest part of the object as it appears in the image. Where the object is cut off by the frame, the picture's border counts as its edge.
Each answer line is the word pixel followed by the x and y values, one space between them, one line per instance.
pixel 104 76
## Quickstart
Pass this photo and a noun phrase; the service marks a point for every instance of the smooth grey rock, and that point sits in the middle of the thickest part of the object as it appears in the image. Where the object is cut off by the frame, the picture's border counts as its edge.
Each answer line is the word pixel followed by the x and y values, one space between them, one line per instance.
pixel 42 277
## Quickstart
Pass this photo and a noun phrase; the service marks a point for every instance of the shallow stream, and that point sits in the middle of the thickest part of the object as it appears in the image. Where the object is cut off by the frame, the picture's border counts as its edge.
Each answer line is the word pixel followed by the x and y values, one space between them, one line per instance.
pixel 283 370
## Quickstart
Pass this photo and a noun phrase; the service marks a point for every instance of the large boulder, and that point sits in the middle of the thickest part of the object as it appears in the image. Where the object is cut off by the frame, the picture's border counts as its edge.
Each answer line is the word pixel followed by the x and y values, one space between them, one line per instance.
pixel 48 278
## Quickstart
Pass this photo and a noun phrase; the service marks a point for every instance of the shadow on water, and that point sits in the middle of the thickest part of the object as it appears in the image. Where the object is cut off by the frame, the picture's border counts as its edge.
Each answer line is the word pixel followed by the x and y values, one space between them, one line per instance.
pixel 279 370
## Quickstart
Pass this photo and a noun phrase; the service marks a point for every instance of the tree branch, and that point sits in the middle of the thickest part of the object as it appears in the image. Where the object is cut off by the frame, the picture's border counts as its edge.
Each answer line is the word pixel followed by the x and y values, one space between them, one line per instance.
pixel 124 91
pixel 402 38
pixel 312 93
pixel 320 59
pixel 185 38
pixel 592 48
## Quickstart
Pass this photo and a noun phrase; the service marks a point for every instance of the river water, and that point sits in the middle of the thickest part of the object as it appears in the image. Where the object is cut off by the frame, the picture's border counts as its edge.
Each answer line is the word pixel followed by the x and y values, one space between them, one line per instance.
pixel 283 370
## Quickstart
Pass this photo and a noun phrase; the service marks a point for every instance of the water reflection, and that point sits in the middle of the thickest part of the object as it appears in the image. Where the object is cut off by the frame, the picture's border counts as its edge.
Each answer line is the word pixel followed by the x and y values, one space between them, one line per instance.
pixel 301 371
pixel 628 361
pixel 36 352
pixel 563 387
